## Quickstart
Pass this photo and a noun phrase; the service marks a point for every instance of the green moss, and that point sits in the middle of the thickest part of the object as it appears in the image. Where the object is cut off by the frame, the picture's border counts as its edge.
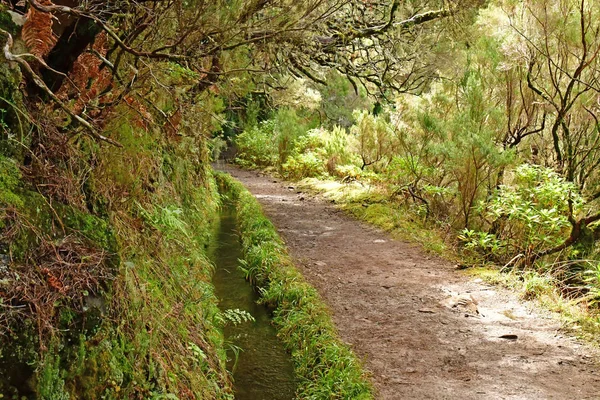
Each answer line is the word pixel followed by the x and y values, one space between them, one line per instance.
pixel 99 369
pixel 18 356
pixel 42 219
pixel 14 121
pixel 160 205
pixel 93 228
pixel 38 220
pixel 50 382
pixel 161 303
pixel 6 21
pixel 10 178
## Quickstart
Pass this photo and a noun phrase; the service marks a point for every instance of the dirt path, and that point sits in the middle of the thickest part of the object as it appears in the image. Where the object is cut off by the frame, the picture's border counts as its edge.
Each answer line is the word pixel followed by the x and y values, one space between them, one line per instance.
pixel 394 304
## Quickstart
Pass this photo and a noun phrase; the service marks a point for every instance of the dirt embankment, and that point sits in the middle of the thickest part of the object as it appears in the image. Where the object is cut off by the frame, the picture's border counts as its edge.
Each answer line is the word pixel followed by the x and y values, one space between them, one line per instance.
pixel 424 330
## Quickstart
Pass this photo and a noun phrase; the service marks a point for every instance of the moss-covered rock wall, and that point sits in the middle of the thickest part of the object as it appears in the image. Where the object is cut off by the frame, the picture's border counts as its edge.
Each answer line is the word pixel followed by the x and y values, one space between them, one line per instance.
pixel 104 279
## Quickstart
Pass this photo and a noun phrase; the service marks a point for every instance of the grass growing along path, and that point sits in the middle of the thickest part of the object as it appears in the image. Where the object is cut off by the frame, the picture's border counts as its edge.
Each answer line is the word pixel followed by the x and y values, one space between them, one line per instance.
pixel 326 367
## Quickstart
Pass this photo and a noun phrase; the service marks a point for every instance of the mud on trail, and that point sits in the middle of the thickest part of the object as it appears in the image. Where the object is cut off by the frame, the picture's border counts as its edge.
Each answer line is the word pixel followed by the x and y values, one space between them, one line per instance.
pixel 414 319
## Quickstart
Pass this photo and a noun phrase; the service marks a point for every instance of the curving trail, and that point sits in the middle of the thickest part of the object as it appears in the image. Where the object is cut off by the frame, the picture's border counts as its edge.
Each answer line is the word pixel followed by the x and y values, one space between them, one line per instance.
pixel 413 318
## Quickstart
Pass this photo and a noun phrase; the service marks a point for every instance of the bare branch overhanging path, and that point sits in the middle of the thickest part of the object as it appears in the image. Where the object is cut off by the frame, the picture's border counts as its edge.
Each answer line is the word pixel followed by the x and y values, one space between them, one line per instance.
pixel 394 304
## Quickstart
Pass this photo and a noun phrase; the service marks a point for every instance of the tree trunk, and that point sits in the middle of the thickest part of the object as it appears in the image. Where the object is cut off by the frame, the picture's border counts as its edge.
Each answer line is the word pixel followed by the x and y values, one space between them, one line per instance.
pixel 71 44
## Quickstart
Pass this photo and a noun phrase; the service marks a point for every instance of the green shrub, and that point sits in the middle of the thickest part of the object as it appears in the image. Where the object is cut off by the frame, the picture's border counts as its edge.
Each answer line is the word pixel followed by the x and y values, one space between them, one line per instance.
pixel 480 242
pixel 339 147
pixel 307 158
pixel 320 151
pixel 10 177
pixel 374 137
pixel 304 165
pixel 289 128
pixel 348 171
pixel 257 146
pixel 531 213
pixel 272 142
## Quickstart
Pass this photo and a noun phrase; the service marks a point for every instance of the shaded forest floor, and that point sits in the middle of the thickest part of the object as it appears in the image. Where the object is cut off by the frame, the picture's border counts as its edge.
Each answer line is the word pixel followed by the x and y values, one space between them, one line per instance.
pixel 424 330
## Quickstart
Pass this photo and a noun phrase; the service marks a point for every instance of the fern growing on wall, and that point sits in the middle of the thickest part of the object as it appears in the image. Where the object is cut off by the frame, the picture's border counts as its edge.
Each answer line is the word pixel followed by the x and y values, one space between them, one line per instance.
pixel 37 31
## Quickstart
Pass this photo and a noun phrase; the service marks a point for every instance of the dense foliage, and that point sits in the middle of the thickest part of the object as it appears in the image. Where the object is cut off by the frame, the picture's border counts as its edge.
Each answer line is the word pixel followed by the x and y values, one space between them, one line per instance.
pixel 107 200
pixel 501 148
pixel 479 119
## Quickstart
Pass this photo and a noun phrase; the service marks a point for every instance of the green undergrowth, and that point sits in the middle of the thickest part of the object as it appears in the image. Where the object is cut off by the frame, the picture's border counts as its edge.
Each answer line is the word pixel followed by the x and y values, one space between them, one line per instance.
pixel 105 283
pixel 165 340
pixel 327 368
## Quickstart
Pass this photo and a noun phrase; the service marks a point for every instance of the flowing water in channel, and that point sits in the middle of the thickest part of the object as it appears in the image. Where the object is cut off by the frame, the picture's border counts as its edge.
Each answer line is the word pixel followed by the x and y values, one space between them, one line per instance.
pixel 264 370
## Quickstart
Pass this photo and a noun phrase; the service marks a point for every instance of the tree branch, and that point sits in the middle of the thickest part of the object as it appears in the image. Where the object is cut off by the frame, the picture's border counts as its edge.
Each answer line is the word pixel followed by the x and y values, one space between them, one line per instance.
pixel 108 30
pixel 343 38
pixel 40 83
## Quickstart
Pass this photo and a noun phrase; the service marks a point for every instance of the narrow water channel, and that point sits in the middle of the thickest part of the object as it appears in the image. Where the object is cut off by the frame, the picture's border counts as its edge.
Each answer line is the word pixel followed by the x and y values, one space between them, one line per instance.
pixel 263 370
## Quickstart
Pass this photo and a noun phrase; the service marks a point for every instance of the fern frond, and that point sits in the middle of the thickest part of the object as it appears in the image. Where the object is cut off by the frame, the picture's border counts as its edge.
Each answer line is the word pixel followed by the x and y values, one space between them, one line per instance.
pixel 88 80
pixel 37 31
